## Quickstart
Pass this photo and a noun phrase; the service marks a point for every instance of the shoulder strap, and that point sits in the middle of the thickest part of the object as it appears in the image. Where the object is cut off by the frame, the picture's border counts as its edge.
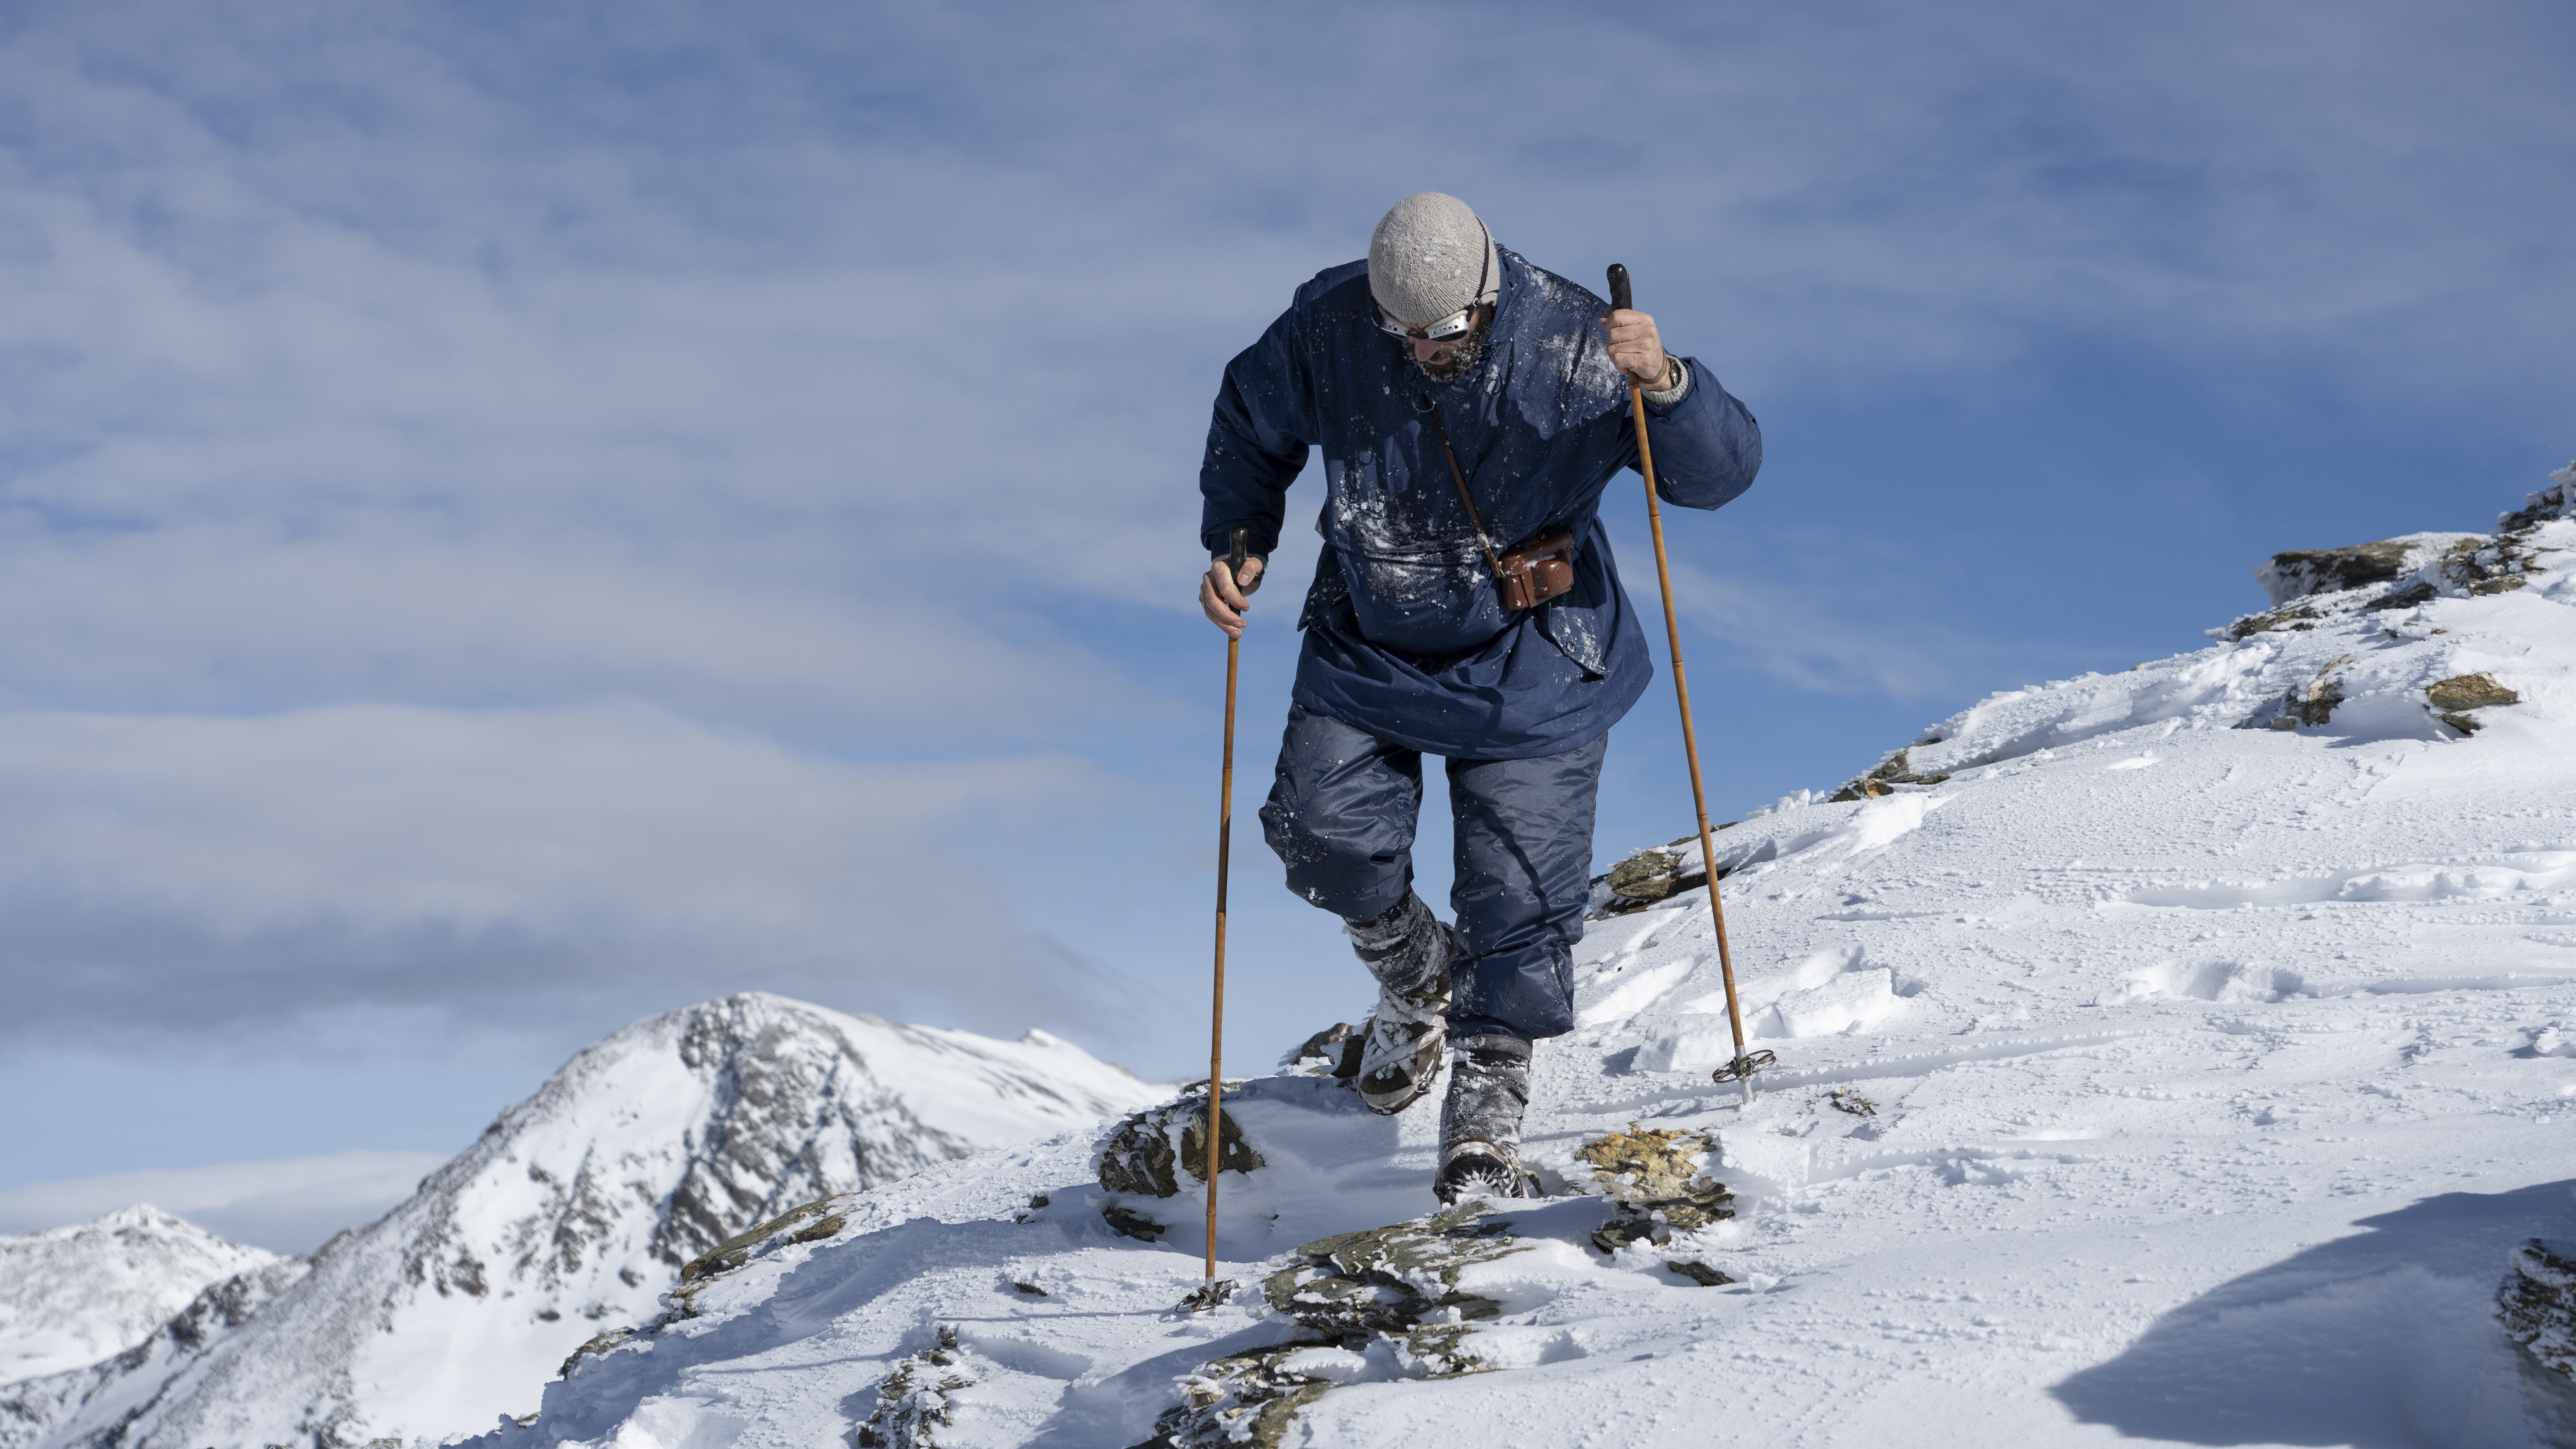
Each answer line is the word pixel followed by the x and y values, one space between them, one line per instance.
pixel 1460 478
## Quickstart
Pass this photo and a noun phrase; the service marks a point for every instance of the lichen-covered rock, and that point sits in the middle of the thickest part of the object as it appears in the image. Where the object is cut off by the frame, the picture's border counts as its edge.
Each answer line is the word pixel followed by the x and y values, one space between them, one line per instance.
pixel 2469 691
pixel 2496 565
pixel 1654 873
pixel 1656 1176
pixel 810 1223
pixel 1375 1305
pixel 1391 1278
pixel 2538 1303
pixel 1147 1153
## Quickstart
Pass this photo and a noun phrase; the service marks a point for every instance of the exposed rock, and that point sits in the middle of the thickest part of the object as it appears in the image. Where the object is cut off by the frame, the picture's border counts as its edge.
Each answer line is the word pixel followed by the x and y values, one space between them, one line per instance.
pixel 2537 1302
pixel 818 1221
pixel 2304 571
pixel 1655 873
pixel 1655 1176
pixel 2466 724
pixel 2469 691
pixel 1894 771
pixel 1334 1051
pixel 1699 1272
pixel 1128 1224
pixel 913 1399
pixel 599 1344
pixel 1148 1151
pixel 2312 703
pixel 1846 1099
pixel 1377 1305
pixel 2558 500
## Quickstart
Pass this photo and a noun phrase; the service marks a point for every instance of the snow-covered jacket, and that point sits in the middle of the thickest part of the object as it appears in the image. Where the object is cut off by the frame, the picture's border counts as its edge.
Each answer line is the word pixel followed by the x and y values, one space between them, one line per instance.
pixel 1405 636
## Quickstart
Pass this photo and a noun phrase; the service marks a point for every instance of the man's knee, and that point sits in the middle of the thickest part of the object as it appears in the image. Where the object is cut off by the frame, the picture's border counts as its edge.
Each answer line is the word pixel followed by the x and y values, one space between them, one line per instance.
pixel 1340 817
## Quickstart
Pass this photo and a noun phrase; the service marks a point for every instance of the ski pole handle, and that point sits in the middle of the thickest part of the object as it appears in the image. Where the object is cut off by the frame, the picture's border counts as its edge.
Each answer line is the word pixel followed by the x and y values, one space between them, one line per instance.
pixel 1234 556
pixel 1623 298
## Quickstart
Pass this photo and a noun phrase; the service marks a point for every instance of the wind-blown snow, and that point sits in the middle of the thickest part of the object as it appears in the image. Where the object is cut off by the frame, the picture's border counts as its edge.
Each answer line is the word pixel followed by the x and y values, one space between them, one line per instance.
pixel 2151 1079
pixel 72 1296
pixel 571 1215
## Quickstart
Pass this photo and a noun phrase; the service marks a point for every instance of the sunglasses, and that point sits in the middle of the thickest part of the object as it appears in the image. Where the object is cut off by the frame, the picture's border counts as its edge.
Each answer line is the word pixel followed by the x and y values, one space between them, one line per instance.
pixel 1456 324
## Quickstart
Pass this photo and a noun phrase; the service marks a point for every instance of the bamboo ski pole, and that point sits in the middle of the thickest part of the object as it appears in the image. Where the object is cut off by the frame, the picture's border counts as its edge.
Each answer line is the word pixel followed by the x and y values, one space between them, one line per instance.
pixel 1745 1064
pixel 1224 847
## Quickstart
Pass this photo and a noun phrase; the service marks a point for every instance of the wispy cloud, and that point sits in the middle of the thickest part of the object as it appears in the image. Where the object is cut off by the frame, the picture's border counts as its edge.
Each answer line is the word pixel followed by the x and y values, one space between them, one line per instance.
pixel 596 495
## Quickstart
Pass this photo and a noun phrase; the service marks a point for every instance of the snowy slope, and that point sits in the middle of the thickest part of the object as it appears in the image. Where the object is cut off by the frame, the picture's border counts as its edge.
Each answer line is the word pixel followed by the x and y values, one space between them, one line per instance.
pixel 572 1213
pixel 2182 1068
pixel 72 1296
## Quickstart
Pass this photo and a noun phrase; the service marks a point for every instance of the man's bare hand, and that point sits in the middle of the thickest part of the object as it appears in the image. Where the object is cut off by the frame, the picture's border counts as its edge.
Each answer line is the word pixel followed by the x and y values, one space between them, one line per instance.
pixel 1222 594
pixel 1636 348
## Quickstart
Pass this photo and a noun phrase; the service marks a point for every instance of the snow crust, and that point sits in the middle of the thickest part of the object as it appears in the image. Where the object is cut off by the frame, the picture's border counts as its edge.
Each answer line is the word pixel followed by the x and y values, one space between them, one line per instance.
pixel 571 1215
pixel 72 1296
pixel 2168 1074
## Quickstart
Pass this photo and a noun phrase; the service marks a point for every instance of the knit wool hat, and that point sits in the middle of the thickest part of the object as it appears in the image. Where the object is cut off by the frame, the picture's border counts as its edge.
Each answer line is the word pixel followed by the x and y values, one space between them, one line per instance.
pixel 1430 257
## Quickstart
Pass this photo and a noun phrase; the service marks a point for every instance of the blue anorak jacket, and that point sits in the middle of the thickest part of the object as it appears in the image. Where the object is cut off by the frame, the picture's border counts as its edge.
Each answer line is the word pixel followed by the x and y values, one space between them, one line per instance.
pixel 1406 638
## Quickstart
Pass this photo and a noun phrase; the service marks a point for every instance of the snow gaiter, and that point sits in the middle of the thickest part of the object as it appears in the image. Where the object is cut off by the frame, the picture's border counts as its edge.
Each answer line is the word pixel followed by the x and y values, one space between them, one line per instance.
pixel 1407 949
pixel 1480 1121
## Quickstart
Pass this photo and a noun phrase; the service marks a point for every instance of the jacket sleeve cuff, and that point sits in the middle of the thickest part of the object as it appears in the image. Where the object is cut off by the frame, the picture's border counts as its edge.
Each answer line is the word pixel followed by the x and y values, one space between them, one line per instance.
pixel 1676 393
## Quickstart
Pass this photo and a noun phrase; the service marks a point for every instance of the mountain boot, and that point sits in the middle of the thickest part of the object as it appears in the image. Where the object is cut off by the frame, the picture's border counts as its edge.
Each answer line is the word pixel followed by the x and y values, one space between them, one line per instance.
pixel 1480 1121
pixel 1408 950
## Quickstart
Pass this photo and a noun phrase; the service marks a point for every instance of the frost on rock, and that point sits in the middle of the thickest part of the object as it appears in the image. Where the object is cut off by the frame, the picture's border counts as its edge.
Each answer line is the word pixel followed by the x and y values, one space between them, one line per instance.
pixel 2311 702
pixel 2538 1303
pixel 1896 770
pixel 1375 1305
pixel 1149 1154
pixel 1655 1176
pixel 913 1400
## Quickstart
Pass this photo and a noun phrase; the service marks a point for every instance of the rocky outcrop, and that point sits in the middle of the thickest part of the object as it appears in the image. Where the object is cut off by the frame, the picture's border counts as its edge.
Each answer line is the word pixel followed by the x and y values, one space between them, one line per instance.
pixel 2537 1303
pixel 1895 770
pixel 2304 571
pixel 1657 1178
pixel 1379 1304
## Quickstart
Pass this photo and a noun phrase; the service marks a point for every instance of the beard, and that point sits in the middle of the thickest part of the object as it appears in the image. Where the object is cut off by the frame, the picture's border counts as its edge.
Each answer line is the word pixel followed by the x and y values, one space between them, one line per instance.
pixel 1460 362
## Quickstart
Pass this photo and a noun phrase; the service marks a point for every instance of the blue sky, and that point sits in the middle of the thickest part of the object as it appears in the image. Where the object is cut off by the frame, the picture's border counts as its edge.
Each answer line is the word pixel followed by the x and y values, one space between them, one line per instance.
pixel 513 518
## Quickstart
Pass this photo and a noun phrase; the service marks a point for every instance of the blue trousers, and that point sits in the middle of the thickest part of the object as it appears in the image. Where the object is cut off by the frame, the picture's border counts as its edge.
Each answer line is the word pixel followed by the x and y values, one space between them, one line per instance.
pixel 1341 816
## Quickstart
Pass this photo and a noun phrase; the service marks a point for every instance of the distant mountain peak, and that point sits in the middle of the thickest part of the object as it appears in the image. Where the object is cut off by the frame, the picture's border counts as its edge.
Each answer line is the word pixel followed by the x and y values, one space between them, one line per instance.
pixel 575 1210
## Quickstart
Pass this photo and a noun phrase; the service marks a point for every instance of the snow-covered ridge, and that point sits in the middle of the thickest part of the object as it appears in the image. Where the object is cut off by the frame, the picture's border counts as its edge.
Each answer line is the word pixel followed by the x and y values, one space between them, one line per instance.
pixel 70 1297
pixel 573 1213
pixel 2150 1072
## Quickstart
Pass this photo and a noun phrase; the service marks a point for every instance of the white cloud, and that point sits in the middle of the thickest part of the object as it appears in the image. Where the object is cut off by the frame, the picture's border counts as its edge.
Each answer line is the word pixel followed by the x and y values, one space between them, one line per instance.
pixel 189 871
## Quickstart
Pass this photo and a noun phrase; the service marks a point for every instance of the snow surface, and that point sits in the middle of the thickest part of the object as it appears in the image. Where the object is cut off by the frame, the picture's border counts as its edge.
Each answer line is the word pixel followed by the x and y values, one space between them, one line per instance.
pixel 72 1296
pixel 572 1214
pixel 2197 1083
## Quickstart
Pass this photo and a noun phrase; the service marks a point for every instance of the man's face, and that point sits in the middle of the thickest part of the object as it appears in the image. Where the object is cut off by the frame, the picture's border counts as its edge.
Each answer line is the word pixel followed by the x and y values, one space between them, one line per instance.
pixel 1444 361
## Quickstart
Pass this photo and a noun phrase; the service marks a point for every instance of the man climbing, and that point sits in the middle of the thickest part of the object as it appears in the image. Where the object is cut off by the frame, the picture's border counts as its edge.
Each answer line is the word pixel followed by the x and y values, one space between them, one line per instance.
pixel 1467 404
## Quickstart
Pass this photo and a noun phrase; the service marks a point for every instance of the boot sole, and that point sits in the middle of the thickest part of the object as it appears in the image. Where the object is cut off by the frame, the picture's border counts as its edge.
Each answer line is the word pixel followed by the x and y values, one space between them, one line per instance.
pixel 1387 1105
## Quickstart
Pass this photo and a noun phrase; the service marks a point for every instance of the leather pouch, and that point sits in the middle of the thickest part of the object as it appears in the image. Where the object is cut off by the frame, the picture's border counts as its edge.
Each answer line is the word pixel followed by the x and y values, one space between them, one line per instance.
pixel 1537 571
